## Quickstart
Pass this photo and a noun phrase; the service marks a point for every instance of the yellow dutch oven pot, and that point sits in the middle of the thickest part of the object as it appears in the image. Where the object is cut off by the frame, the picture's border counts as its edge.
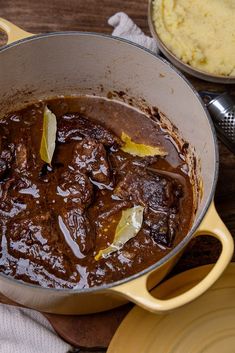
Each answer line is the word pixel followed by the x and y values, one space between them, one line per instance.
pixel 70 63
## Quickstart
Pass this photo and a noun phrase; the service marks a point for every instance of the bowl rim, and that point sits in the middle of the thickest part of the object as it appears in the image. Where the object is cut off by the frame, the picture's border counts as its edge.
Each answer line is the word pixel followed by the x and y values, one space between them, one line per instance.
pixel 204 75
pixel 180 246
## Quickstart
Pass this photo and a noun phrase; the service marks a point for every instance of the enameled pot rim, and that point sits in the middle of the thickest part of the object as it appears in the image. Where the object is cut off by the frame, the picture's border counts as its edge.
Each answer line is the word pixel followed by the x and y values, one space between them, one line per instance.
pixel 188 237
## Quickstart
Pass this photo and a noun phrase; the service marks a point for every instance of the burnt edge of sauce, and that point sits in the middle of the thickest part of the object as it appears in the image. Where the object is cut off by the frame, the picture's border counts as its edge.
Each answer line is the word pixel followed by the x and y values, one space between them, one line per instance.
pixel 54 219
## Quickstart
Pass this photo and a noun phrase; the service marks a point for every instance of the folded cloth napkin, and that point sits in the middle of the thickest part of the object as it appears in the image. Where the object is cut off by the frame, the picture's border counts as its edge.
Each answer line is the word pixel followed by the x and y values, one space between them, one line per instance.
pixel 125 28
pixel 27 331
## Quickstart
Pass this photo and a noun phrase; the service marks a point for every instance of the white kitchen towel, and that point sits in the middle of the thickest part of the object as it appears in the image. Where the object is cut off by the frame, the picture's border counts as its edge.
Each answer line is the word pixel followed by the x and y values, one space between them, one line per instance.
pixel 125 28
pixel 27 331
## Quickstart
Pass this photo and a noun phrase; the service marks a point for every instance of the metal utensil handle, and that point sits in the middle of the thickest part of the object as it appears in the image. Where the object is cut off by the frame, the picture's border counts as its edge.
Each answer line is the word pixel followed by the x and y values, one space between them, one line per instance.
pixel 208 96
pixel 222 110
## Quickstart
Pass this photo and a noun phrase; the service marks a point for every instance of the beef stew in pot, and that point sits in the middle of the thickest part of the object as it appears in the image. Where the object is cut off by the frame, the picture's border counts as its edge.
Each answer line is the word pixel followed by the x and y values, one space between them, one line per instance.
pixel 115 197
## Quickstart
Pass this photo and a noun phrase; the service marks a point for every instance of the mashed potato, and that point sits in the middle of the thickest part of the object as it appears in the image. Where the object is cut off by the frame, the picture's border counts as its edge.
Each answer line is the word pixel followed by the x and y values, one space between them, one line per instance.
pixel 199 32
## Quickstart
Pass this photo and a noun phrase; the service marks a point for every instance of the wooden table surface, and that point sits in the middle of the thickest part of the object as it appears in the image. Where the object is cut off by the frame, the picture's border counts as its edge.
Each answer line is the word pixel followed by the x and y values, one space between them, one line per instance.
pixel 90 15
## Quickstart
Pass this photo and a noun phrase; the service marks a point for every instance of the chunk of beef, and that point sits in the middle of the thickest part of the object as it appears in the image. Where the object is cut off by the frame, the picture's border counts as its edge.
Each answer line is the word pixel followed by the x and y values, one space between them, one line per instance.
pixel 146 188
pixel 162 226
pixel 123 162
pixel 160 196
pixel 3 168
pixel 6 157
pixel 18 195
pixel 26 154
pixel 75 187
pixel 36 239
pixel 90 158
pixel 73 224
pixel 75 227
pixel 19 188
pixel 10 205
pixel 76 127
pixel 4 187
pixel 21 160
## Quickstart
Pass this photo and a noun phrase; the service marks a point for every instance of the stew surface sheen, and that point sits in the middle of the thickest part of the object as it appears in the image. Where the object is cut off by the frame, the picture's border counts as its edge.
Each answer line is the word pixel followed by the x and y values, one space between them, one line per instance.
pixel 55 219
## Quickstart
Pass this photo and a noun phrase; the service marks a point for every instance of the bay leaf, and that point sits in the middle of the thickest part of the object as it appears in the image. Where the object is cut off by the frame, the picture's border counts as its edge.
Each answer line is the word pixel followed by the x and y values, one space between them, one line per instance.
pixel 127 228
pixel 140 149
pixel 47 147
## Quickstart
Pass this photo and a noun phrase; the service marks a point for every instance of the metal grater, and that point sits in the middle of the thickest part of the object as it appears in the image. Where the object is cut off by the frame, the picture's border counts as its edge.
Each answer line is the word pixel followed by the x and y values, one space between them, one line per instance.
pixel 222 110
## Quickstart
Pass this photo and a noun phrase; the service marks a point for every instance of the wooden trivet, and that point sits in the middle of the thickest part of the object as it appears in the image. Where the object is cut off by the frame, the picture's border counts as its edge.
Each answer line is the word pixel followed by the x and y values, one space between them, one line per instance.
pixel 89 331
pixel 85 331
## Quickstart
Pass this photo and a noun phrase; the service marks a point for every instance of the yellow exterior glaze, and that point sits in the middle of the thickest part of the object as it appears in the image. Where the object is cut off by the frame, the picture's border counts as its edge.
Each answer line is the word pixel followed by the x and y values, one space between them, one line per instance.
pixel 14 33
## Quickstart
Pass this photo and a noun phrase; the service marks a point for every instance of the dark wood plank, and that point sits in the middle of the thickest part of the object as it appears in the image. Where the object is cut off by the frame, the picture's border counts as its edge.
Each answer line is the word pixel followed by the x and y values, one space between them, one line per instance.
pixel 93 331
pixel 61 15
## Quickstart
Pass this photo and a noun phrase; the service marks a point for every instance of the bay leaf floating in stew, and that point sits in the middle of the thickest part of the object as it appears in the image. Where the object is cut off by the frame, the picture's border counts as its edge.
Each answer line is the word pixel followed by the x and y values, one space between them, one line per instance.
pixel 140 149
pixel 48 136
pixel 90 190
pixel 128 226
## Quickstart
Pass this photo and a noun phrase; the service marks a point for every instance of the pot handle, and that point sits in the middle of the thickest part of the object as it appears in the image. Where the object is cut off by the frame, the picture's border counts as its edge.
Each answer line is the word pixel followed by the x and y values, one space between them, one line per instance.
pixel 13 32
pixel 137 292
